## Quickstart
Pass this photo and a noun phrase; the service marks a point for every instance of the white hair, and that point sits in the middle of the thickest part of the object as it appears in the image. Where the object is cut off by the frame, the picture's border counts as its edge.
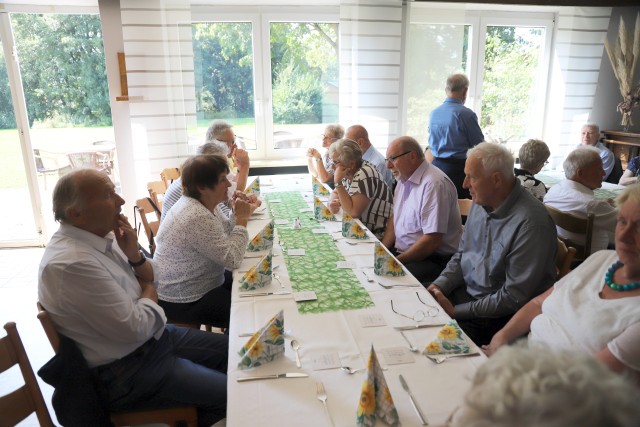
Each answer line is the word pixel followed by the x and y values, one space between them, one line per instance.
pixel 593 126
pixel 537 387
pixel 347 149
pixel 494 157
pixel 216 129
pixel 579 158
pixel 214 147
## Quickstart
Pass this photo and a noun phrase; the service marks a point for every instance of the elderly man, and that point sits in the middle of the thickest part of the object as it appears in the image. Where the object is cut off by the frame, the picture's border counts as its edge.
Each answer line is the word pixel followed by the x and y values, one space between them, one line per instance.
pixel 360 135
pixel 507 251
pixel 321 167
pixel 590 134
pixel 239 164
pixel 97 287
pixel 583 171
pixel 453 129
pixel 425 227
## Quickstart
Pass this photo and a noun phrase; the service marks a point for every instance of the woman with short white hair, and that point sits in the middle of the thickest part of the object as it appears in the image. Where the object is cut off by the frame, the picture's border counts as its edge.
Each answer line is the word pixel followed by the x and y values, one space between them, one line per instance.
pixel 533 156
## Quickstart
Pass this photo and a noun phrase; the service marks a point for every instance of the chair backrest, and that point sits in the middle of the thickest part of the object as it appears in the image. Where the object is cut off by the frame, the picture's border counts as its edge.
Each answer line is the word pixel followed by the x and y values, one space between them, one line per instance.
pixel 20 403
pixel 156 191
pixel 49 327
pixel 465 206
pixel 564 257
pixel 145 207
pixel 574 224
pixel 168 175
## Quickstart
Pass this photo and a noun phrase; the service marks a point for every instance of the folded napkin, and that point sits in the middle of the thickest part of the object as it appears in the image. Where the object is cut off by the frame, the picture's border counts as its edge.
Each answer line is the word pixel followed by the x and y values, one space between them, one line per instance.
pixel 258 276
pixel 265 345
pixel 254 188
pixel 351 229
pixel 375 398
pixel 321 212
pixel 319 190
pixel 384 264
pixel 448 341
pixel 263 240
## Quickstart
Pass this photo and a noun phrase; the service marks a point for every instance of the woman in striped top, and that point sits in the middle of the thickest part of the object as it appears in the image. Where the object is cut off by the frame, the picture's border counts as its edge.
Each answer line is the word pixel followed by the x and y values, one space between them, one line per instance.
pixel 359 188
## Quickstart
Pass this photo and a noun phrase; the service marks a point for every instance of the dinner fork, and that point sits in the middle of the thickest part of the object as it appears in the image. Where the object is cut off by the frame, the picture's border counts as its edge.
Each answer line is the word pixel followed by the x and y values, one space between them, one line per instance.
pixel 438 359
pixel 396 286
pixel 322 397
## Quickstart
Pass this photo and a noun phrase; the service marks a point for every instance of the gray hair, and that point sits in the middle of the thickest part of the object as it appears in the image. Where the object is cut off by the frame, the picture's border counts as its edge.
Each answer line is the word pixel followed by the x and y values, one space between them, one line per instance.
pixel 408 143
pixel 216 129
pixel 592 125
pixel 495 158
pixel 532 387
pixel 579 158
pixel 631 193
pixel 336 130
pixel 213 147
pixel 68 192
pixel 457 83
pixel 532 153
pixel 347 149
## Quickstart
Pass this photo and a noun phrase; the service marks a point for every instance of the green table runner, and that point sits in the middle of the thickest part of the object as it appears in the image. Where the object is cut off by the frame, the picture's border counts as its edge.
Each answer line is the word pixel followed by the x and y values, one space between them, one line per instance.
pixel 336 289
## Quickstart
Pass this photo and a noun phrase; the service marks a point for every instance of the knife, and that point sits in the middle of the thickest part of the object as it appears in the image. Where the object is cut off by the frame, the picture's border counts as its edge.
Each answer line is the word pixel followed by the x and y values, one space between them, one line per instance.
pixel 273 377
pixel 409 328
pixel 405 386
pixel 262 294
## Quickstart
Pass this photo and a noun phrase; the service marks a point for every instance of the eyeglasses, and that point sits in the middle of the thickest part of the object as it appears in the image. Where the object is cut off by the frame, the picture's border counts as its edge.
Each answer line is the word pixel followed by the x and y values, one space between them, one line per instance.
pixel 335 163
pixel 420 315
pixel 329 137
pixel 393 158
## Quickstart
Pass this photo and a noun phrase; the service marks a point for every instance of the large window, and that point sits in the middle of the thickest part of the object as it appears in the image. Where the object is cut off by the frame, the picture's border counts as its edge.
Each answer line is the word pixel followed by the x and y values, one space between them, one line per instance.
pixel 274 77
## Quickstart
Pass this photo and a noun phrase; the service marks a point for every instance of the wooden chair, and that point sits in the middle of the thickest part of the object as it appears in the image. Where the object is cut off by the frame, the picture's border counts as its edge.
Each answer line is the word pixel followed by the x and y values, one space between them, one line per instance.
pixel 168 175
pixel 464 205
pixel 564 258
pixel 574 224
pixel 22 402
pixel 156 191
pixel 170 416
pixel 145 208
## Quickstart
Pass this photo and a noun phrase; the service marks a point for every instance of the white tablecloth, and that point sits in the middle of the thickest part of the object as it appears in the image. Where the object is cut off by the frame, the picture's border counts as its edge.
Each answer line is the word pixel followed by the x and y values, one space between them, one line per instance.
pixel 439 389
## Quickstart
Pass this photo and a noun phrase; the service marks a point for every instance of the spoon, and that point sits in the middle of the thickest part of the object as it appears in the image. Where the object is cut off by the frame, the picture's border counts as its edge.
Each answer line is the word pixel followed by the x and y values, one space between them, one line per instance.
pixel 275 276
pixel 295 345
pixel 369 279
pixel 349 370
pixel 411 347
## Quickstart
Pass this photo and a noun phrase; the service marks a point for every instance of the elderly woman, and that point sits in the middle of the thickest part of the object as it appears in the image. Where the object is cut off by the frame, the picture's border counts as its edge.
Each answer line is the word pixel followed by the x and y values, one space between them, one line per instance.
pixel 595 307
pixel 320 166
pixel 196 242
pixel 630 176
pixel 533 155
pixel 359 187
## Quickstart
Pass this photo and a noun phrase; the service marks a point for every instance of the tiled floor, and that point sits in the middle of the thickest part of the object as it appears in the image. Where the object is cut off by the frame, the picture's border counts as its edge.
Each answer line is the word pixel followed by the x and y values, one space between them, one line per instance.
pixel 18 296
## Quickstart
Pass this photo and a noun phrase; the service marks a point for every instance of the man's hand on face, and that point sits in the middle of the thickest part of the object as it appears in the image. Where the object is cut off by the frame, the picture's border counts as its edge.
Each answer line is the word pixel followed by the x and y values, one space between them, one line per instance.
pixel 241 158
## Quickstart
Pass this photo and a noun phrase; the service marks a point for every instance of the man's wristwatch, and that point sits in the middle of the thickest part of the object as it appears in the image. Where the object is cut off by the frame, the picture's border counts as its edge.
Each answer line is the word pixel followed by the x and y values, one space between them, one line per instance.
pixel 142 260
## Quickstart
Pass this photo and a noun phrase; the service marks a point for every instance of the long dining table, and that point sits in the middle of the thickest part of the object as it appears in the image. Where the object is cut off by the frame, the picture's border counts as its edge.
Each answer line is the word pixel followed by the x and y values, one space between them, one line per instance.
pixel 351 315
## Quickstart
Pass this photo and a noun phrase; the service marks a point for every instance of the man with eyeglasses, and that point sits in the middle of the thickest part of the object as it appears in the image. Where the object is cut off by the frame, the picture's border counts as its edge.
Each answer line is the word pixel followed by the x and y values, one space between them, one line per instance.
pixel 425 227
pixel 453 129
pixel 360 135
pixel 319 166
pixel 239 164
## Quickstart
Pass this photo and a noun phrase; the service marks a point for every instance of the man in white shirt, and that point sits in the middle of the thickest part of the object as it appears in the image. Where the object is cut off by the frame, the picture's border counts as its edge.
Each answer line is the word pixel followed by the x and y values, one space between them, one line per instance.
pixel 590 134
pixel 101 296
pixel 360 135
pixel 584 173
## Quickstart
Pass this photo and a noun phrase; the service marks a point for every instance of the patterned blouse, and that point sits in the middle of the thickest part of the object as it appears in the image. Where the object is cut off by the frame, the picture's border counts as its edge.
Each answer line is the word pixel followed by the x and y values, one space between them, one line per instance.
pixel 531 184
pixel 368 181
pixel 634 166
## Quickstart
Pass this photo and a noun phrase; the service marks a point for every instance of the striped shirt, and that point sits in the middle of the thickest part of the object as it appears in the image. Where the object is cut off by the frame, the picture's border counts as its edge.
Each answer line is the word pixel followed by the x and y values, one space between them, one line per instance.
pixel 368 181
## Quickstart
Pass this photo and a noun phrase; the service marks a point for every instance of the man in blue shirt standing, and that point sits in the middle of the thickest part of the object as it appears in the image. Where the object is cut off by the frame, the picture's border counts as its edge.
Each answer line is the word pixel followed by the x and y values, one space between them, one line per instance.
pixel 454 129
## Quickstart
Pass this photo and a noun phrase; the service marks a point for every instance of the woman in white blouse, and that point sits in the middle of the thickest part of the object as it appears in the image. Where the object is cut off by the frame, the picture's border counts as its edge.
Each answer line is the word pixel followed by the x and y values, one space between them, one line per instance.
pixel 197 242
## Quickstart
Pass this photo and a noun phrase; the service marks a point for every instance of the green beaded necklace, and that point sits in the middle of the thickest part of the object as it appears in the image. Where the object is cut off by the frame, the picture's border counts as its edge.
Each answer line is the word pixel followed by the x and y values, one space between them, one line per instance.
pixel 608 279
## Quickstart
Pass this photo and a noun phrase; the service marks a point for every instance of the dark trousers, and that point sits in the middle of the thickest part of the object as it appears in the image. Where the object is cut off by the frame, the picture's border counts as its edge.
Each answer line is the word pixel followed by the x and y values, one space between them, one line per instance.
pixel 213 308
pixel 185 367
pixel 480 329
pixel 454 169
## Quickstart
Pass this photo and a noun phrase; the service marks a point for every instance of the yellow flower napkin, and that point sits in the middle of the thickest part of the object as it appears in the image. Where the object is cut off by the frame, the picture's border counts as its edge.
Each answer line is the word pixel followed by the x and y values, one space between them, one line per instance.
pixel 351 229
pixel 258 276
pixel 375 398
pixel 384 264
pixel 263 240
pixel 254 187
pixel 265 345
pixel 321 212
pixel 319 190
pixel 448 341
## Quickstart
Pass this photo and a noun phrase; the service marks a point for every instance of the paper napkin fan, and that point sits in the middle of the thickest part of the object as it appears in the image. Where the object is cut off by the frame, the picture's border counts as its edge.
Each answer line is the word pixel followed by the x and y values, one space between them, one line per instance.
pixel 321 212
pixel 265 345
pixel 263 240
pixel 375 398
pixel 254 188
pixel 449 341
pixel 258 276
pixel 319 190
pixel 384 264
pixel 351 229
